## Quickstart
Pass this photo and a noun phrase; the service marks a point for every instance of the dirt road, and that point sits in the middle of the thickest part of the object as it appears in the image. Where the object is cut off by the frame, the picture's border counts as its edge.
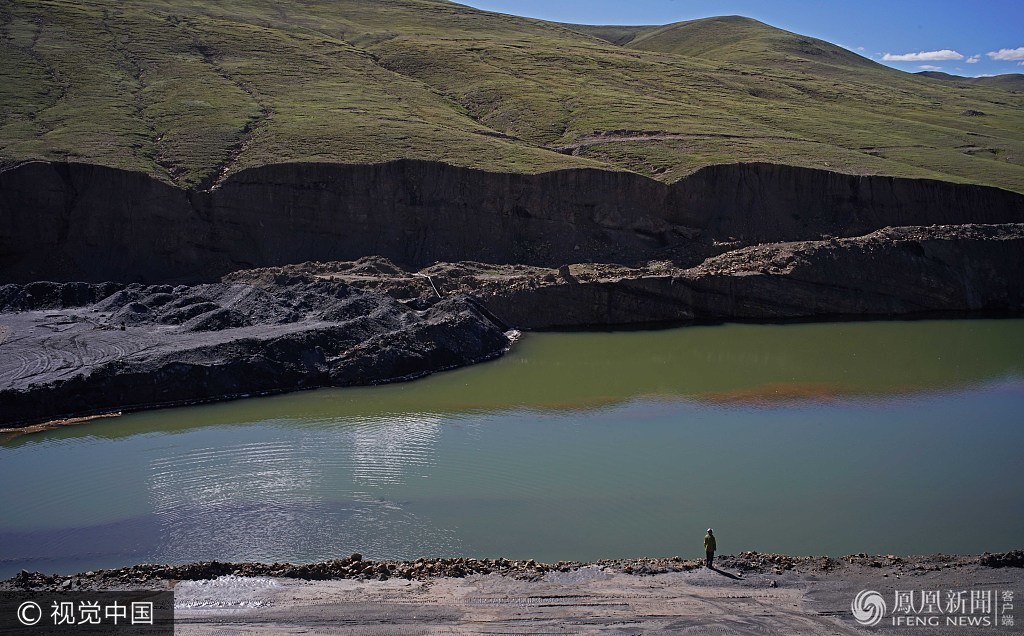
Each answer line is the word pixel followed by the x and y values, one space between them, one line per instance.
pixel 588 600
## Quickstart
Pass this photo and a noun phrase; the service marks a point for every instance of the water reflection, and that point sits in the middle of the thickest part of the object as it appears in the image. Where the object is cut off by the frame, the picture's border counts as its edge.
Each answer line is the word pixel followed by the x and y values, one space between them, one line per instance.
pixel 573 446
pixel 387 450
pixel 297 492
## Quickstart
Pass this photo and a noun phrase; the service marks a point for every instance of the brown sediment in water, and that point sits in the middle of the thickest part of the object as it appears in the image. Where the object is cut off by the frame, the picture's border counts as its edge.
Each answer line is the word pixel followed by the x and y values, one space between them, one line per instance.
pixel 11 433
pixel 780 392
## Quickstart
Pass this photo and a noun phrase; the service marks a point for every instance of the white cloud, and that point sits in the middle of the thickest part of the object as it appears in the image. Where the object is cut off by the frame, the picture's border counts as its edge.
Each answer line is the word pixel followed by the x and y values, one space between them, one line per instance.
pixel 1007 54
pixel 929 67
pixel 860 48
pixel 974 59
pixel 925 56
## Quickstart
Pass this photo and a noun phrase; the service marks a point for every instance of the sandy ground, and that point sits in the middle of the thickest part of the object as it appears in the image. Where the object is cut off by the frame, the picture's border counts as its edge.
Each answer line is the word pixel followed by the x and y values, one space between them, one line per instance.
pixel 588 600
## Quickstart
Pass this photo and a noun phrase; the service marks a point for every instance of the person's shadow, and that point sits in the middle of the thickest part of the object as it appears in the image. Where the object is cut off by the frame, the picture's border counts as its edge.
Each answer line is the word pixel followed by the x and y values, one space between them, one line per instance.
pixel 724 573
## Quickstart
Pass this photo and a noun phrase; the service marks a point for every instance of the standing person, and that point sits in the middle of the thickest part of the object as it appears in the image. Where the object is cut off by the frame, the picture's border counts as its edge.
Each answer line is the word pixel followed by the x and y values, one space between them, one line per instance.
pixel 710 546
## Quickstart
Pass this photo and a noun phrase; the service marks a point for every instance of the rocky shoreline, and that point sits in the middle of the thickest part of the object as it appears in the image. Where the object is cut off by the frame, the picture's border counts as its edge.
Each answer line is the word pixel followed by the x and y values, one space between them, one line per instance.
pixel 745 593
pixel 357 567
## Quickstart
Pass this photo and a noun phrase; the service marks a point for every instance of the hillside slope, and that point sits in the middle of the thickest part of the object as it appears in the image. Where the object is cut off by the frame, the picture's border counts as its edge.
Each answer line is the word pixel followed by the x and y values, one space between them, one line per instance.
pixel 190 93
pixel 741 40
pixel 1007 81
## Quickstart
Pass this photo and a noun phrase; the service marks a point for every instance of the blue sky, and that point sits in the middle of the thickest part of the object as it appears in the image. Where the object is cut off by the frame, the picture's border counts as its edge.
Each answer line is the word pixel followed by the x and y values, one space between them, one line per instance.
pixel 964 37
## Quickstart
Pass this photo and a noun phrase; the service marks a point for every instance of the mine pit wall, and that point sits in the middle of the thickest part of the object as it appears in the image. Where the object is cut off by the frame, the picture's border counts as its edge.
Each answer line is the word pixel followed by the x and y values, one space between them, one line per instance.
pixel 862 277
pixel 69 221
pixel 417 213
pixel 761 203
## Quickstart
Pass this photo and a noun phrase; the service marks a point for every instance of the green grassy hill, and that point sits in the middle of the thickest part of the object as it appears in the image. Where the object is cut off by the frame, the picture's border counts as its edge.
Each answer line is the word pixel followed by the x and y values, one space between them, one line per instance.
pixel 1008 81
pixel 191 91
pixel 739 40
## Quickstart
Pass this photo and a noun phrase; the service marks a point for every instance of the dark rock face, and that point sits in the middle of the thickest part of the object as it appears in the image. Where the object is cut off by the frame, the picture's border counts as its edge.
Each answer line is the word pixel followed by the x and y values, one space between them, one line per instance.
pixel 901 271
pixel 892 272
pixel 59 220
pixel 761 203
pixel 415 213
pixel 85 222
pixel 153 345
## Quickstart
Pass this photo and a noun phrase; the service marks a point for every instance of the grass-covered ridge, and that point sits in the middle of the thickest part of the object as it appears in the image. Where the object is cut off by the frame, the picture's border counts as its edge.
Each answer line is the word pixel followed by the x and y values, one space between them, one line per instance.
pixel 1008 81
pixel 189 91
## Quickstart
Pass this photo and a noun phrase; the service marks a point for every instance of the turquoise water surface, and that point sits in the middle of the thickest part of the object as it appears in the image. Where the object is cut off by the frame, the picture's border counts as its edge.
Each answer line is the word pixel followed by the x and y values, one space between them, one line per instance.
pixel 880 437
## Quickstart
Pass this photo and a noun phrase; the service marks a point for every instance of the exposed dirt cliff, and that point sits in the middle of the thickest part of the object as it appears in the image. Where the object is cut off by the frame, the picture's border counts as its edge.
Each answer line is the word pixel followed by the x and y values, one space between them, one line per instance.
pixel 901 271
pixel 892 272
pixel 86 222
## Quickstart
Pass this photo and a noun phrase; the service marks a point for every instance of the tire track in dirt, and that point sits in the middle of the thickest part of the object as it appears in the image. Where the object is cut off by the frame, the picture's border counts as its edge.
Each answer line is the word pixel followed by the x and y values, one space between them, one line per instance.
pixel 65 352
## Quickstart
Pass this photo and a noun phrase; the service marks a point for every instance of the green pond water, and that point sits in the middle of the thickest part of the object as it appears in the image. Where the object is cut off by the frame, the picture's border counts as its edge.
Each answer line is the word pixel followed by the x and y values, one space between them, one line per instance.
pixel 880 437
